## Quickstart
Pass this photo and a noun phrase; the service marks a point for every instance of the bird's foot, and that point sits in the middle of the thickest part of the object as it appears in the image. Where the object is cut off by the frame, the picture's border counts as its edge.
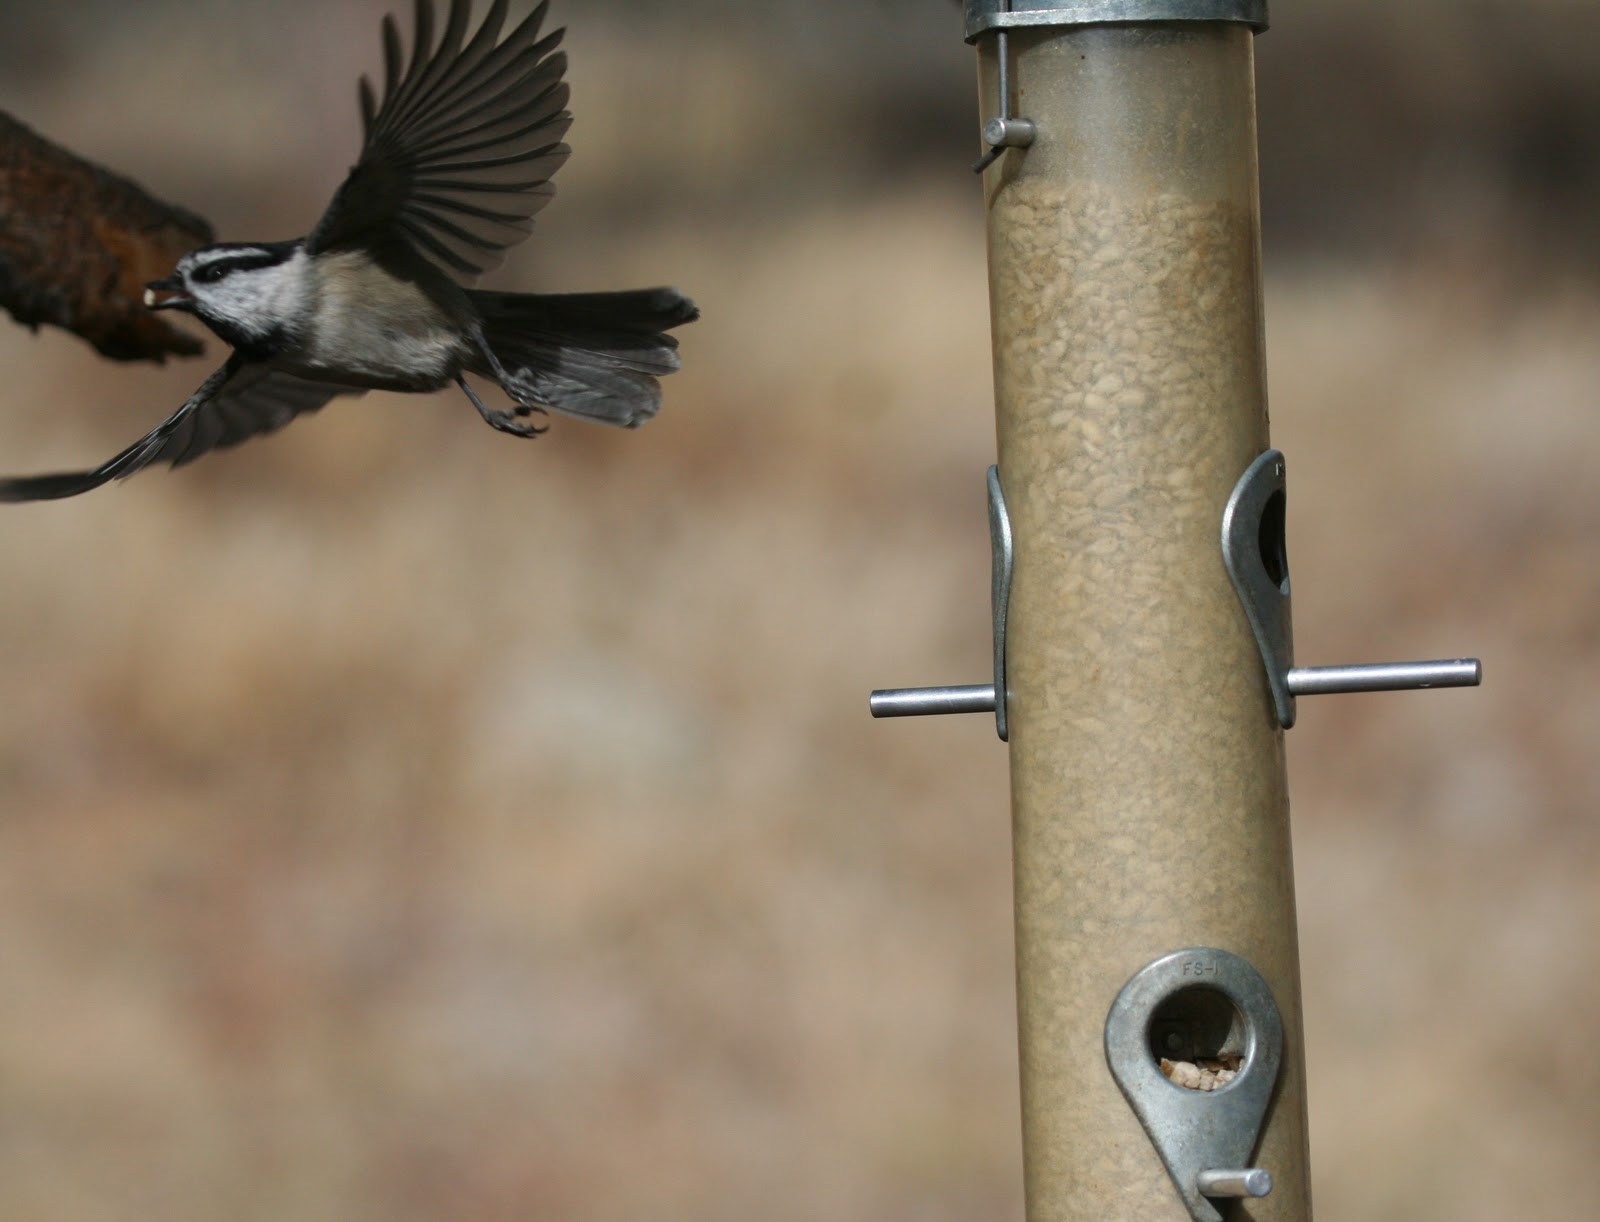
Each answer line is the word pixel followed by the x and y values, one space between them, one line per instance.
pixel 517 422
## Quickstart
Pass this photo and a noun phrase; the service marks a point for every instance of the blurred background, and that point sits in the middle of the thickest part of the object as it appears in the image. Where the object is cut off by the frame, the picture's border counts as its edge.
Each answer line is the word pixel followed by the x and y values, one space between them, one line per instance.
pixel 399 821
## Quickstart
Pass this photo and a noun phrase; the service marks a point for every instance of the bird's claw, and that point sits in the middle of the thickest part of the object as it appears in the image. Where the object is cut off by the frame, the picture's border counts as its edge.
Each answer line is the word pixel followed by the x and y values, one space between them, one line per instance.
pixel 514 422
pixel 507 422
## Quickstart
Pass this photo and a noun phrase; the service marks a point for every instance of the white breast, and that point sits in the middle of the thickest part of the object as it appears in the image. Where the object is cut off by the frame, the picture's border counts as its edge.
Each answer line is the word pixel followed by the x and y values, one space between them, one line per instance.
pixel 369 328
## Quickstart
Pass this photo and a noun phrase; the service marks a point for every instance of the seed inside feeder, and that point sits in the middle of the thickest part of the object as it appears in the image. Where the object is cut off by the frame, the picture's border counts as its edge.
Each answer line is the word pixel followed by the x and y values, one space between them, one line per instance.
pixel 1208 1073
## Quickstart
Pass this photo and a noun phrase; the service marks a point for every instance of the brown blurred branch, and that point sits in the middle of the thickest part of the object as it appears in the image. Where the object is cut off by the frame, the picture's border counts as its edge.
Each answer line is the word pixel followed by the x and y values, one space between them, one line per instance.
pixel 78 244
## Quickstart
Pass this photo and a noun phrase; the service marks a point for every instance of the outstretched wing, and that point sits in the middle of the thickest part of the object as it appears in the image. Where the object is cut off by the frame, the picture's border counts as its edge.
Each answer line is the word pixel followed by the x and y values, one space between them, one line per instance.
pixel 459 156
pixel 239 401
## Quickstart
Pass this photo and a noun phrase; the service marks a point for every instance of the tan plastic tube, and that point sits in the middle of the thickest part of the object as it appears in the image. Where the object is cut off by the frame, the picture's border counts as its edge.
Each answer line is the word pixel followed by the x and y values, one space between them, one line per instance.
pixel 1148 793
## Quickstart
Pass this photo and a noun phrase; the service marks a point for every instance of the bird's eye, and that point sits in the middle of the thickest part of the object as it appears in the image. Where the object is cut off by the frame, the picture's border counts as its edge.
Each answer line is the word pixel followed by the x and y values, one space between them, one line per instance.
pixel 211 273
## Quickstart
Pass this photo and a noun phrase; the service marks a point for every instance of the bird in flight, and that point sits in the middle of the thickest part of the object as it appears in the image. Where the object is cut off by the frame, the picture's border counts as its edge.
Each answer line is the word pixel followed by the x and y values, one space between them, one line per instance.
pixel 457 159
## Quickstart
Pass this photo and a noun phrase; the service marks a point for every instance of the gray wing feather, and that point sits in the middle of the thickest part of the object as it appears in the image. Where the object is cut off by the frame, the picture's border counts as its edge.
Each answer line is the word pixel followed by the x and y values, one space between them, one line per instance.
pixel 459 154
pixel 256 401
pixel 238 401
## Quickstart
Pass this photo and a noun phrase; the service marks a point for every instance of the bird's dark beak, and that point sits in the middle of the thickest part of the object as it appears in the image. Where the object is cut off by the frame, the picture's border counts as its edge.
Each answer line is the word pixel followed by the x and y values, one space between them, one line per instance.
pixel 168 294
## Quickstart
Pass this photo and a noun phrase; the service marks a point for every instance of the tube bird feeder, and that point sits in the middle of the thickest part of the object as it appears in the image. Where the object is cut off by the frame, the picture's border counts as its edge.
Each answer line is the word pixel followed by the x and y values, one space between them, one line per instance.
pixel 1149 803
pixel 1144 675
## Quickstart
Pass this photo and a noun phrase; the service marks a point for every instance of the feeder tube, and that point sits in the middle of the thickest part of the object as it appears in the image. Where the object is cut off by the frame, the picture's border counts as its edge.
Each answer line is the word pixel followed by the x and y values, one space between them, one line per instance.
pixel 1149 802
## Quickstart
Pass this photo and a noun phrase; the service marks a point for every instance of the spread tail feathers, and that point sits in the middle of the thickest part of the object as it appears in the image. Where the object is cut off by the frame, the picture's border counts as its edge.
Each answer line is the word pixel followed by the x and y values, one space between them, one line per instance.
pixel 596 356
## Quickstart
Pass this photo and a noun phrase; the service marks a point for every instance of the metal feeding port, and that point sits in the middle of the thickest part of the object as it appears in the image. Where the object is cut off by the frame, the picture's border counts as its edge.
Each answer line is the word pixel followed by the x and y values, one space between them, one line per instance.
pixel 1189 1007
pixel 969 697
pixel 1255 550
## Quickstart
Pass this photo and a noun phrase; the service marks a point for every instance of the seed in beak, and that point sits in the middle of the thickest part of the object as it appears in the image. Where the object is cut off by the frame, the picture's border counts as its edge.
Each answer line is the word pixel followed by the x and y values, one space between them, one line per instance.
pixel 166 294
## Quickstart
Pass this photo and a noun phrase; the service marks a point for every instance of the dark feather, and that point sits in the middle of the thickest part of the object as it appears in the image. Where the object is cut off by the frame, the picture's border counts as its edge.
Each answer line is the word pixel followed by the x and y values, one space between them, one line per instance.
pixel 239 401
pixel 460 151
pixel 594 355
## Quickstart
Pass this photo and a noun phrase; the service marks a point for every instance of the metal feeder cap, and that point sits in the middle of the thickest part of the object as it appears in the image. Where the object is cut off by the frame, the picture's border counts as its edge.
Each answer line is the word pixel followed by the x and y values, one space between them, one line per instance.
pixel 984 16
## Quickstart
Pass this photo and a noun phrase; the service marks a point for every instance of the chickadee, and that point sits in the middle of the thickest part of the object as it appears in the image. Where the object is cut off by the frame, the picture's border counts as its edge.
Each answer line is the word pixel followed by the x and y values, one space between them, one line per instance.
pixel 455 163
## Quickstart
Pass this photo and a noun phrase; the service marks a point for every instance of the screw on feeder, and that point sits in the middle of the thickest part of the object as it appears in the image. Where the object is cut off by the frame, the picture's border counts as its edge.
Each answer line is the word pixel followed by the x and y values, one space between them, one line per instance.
pixel 1005 131
pixel 1253 1182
